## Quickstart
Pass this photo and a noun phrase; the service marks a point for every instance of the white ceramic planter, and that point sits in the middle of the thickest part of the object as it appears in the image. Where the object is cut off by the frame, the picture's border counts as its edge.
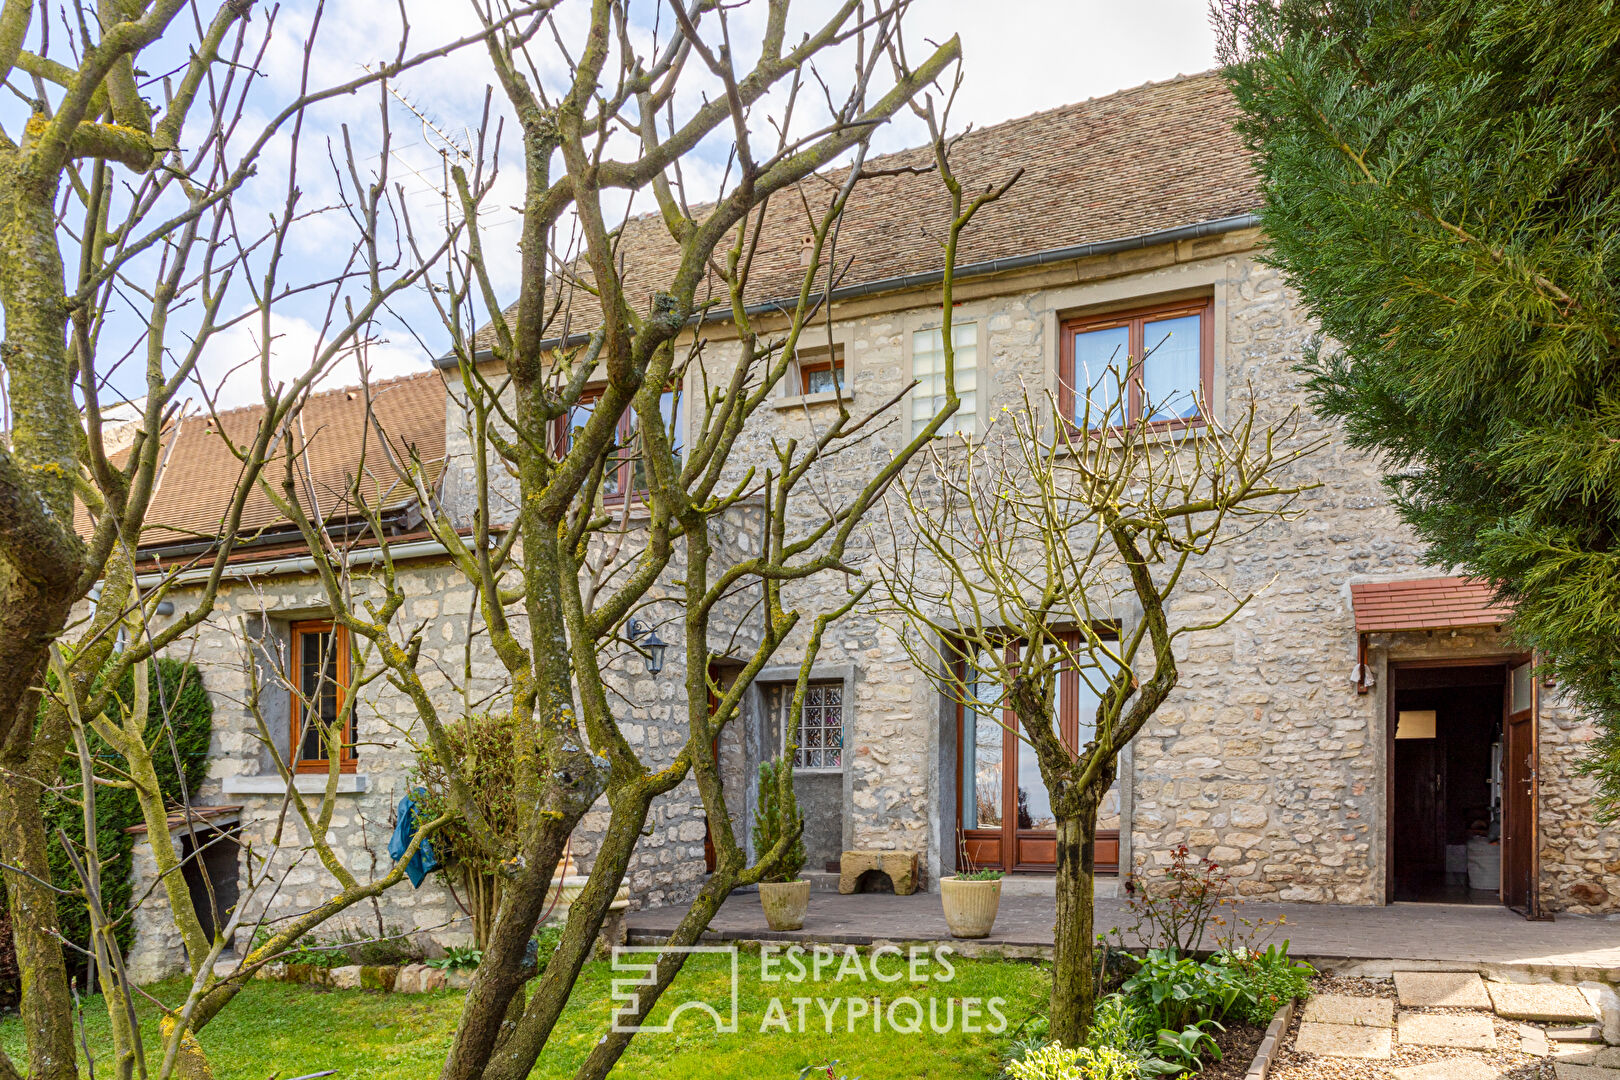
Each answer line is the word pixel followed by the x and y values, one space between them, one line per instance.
pixel 970 906
pixel 785 903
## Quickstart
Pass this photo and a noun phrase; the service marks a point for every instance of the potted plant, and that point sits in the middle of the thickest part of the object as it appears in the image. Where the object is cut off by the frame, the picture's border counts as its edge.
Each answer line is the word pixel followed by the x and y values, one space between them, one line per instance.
pixel 971 899
pixel 782 893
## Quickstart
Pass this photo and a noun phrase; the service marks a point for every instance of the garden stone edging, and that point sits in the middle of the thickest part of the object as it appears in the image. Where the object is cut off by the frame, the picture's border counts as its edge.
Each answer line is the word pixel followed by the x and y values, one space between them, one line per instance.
pixel 1260 1067
pixel 386 978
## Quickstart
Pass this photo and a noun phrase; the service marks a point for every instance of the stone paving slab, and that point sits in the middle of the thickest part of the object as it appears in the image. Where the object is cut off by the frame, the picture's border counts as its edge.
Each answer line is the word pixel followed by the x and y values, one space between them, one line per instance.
pixel 1449 989
pixel 1410 932
pixel 1566 1071
pixel 1533 1041
pixel 1554 1004
pixel 1343 1009
pixel 1344 1040
pixel 1457 1068
pixel 1459 1032
pixel 1607 1057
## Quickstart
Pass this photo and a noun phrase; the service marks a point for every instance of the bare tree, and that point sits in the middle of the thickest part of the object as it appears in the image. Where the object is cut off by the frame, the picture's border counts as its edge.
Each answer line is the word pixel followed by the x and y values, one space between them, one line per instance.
pixel 1045 550
pixel 117 211
pixel 559 558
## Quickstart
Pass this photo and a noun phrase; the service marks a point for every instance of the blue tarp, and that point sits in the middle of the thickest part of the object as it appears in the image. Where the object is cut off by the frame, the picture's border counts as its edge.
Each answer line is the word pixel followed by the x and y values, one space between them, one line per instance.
pixel 424 862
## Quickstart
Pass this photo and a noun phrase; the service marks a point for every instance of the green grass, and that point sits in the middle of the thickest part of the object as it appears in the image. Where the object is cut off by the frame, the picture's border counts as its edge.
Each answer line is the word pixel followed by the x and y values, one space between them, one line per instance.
pixel 281 1029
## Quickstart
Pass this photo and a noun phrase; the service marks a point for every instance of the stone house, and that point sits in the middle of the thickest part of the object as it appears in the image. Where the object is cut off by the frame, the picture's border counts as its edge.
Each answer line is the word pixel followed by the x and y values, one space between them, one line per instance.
pixel 1362 733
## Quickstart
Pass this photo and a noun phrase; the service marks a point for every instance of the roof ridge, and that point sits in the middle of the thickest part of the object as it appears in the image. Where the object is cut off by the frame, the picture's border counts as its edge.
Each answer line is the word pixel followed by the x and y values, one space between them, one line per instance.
pixel 319 394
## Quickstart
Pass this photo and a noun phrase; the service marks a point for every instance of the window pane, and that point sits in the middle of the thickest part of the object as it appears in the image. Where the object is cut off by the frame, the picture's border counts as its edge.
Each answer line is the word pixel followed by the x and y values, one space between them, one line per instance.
pixel 1034 804
pixel 1101 363
pixel 981 753
pixel 1170 368
pixel 821 380
pixel 928 368
pixel 1091 681
pixel 821 725
pixel 318 687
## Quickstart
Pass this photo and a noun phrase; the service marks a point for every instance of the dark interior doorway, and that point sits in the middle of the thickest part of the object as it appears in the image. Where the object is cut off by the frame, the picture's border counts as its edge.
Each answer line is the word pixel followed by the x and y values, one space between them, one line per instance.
pixel 212 855
pixel 1448 799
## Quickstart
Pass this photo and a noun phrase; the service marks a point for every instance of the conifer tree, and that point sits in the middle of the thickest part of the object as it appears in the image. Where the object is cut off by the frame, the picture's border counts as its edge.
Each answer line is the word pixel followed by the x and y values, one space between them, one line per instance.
pixel 1439 184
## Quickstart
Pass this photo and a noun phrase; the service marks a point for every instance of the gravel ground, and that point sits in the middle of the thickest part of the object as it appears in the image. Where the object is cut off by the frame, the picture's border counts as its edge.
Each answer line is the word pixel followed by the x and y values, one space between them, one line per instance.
pixel 1291 1065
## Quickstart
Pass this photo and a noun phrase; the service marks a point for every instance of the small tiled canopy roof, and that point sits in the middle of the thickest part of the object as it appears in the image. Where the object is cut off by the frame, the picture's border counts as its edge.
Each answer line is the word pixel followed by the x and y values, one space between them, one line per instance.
pixel 1439 603
pixel 1144 160
pixel 201 473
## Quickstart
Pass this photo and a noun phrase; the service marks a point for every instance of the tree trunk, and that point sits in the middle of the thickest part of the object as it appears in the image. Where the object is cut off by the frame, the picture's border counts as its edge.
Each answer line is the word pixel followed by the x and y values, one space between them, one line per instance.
pixel 46 1001
pixel 1074 983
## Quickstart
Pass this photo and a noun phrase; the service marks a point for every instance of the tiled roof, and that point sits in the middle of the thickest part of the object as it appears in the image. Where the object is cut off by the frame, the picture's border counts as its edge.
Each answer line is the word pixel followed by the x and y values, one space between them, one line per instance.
pixel 201 473
pixel 1426 604
pixel 1144 160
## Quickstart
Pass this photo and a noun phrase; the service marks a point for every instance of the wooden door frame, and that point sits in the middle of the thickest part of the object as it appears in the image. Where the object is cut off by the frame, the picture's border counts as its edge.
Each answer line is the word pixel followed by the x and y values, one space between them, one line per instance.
pixel 1507 662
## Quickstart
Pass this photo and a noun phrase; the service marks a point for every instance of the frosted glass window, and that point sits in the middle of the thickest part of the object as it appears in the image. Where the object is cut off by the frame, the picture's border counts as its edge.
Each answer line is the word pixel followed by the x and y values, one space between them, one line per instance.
pixel 928 369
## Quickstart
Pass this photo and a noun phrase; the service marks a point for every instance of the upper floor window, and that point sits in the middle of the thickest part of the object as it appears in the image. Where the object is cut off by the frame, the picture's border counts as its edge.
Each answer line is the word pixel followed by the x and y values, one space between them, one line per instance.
pixel 625 471
pixel 320 678
pixel 821 371
pixel 1156 365
pixel 928 369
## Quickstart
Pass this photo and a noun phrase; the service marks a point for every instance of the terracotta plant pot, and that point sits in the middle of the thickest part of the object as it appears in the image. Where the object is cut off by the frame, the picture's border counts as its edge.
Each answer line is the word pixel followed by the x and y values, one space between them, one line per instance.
pixel 785 903
pixel 970 906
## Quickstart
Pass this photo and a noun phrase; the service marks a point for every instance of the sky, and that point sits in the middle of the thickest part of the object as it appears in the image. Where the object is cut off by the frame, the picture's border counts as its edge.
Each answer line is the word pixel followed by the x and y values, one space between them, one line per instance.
pixel 1019 56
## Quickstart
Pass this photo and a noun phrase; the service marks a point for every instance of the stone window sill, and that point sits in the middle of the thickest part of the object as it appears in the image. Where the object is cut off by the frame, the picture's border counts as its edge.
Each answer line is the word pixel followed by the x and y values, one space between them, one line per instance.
pixel 303 783
pixel 826 397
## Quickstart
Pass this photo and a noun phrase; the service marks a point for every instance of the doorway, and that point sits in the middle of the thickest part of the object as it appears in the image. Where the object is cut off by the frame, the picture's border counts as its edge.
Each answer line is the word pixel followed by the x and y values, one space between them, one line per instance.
pixel 1461 755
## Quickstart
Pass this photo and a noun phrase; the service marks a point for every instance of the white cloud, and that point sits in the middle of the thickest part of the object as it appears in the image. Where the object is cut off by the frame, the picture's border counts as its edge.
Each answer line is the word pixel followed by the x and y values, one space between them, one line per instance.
pixel 231 364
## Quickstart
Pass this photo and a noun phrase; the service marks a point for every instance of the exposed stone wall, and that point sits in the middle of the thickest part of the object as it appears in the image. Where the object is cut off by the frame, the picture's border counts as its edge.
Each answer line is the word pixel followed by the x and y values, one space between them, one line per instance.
pixel 1580 857
pixel 667 865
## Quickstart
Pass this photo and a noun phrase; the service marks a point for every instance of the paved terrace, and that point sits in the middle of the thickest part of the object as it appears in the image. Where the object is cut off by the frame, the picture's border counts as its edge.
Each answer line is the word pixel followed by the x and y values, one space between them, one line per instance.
pixel 1347 940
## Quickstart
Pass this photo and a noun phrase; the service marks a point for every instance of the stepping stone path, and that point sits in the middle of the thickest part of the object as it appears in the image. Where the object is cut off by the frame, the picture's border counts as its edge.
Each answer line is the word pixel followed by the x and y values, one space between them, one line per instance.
pixel 1360 1027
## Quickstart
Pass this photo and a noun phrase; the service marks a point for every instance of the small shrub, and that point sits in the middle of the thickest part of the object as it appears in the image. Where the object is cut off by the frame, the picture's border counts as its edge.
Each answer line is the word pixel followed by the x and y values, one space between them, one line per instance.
pixel 1186 1049
pixel 458 958
pixel 1175 907
pixel 1178 991
pixel 1058 1062
pixel 981 875
pixel 1271 978
pixel 778 816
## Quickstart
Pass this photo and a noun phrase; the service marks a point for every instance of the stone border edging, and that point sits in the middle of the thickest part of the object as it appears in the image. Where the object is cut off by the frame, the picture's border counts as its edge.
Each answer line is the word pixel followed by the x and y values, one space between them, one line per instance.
pixel 388 978
pixel 1276 1031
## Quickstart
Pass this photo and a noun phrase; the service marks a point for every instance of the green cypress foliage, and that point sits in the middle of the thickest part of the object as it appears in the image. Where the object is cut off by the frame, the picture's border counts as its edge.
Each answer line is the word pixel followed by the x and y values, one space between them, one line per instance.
pixel 1439 180
pixel 777 815
pixel 191 714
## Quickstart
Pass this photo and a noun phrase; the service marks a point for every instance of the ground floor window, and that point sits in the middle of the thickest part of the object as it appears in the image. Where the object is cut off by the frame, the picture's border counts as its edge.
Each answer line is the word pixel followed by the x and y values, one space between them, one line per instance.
pixel 820 737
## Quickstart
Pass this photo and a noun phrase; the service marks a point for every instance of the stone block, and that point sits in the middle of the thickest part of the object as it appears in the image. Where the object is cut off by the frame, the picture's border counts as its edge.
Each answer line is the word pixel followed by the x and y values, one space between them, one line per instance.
pixel 900 866
pixel 346 977
pixel 1582 1033
pixel 1456 1068
pixel 1343 1040
pixel 378 977
pixel 1448 989
pixel 418 979
pixel 1565 1070
pixel 1604 1057
pixel 1533 1041
pixel 1343 1009
pixel 1439 1029
pixel 1553 1004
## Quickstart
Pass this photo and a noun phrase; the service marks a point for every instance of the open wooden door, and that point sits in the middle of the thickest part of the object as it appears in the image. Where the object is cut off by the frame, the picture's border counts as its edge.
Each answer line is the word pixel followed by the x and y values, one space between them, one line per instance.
pixel 1519 783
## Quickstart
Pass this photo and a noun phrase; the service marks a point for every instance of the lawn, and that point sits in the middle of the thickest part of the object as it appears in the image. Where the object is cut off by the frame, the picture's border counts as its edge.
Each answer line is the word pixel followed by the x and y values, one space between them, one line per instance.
pixel 280 1029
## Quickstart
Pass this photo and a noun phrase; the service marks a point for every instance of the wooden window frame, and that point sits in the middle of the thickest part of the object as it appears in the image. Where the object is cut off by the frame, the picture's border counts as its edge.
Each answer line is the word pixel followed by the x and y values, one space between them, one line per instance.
pixel 1136 319
pixel 806 370
pixel 347 758
pixel 625 470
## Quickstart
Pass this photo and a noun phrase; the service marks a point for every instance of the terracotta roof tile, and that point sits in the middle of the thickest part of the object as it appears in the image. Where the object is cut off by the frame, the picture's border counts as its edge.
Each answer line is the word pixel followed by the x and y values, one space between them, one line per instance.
pixel 1426 604
pixel 201 472
pixel 1155 157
